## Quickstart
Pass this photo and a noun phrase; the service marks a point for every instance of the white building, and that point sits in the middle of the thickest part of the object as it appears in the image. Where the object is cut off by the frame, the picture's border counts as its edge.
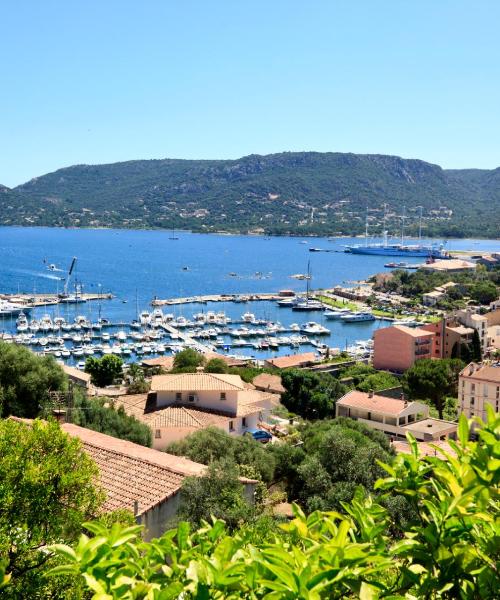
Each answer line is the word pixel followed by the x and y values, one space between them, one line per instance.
pixel 180 404
pixel 395 417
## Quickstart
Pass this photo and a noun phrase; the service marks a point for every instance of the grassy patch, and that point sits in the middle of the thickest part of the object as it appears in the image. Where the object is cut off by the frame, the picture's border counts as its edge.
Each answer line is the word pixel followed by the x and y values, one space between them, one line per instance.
pixel 337 303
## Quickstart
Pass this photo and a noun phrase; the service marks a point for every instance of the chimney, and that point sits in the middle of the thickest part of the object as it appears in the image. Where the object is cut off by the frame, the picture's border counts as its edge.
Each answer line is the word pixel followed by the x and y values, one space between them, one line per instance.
pixel 59 415
pixel 370 393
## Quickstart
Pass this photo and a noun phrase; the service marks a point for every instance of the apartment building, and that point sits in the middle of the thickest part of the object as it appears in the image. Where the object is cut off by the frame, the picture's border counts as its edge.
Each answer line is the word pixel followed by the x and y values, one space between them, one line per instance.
pixel 397 348
pixel 479 385
pixel 449 337
pixel 470 318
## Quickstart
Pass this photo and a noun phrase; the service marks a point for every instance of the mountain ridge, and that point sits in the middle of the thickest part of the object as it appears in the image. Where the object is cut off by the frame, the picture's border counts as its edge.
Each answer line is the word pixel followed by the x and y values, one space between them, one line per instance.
pixel 281 193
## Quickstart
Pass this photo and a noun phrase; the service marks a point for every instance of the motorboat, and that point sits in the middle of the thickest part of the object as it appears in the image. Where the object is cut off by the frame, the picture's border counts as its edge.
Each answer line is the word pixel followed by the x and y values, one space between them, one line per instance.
pixel 337 313
pixel 313 328
pixel 357 317
pixel 248 317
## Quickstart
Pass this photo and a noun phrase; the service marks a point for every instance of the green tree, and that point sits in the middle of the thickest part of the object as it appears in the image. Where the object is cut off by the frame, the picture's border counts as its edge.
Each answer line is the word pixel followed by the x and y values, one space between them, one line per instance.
pixel 104 371
pixel 476 353
pixel 137 381
pixel 310 395
pixel 484 292
pixel 26 380
pixel 97 414
pixel 46 492
pixel 187 361
pixel 218 494
pixel 216 365
pixel 214 445
pixel 432 379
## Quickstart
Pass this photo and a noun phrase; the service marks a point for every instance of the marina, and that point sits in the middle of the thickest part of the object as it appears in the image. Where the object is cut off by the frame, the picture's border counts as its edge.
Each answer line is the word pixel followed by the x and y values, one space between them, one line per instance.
pixel 209 306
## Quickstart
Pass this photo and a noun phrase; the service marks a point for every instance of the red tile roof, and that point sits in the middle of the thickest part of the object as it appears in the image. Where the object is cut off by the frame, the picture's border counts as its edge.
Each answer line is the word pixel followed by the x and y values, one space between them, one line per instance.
pixel 268 382
pixel 383 404
pixel 292 360
pixel 194 382
pixel 480 372
pixel 130 473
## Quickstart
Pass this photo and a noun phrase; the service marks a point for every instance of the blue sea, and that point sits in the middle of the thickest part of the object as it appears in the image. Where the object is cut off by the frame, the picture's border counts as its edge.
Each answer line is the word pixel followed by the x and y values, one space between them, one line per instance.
pixel 145 264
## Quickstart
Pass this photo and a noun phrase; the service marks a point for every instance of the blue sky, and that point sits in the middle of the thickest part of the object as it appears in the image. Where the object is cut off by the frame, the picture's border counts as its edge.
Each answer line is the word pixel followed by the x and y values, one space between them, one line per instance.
pixel 86 81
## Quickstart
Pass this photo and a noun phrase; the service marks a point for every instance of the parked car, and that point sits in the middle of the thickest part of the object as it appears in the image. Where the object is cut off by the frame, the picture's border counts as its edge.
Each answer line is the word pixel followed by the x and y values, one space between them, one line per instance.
pixel 260 435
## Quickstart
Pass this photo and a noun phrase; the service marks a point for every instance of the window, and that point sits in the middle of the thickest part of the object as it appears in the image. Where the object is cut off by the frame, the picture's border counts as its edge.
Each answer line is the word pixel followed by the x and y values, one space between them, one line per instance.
pixel 485 390
pixel 472 401
pixel 157 433
pixel 231 426
pixel 244 422
pixel 223 395
pixel 178 396
pixel 191 397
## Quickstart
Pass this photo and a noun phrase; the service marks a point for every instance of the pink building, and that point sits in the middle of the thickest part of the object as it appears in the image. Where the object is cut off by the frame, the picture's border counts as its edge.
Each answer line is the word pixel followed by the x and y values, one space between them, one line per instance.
pixel 397 348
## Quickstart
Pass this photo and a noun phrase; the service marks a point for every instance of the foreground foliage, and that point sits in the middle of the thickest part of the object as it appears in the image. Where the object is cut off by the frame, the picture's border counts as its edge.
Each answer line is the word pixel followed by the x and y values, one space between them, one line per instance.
pixel 449 551
pixel 46 492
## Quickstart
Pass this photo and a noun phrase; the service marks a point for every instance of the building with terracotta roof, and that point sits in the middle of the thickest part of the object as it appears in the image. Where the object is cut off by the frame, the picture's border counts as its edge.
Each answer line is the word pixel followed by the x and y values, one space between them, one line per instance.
pixel 77 376
pixel 267 382
pixel 140 479
pixel 397 348
pixel 395 417
pixel 292 361
pixel 454 265
pixel 182 403
pixel 479 385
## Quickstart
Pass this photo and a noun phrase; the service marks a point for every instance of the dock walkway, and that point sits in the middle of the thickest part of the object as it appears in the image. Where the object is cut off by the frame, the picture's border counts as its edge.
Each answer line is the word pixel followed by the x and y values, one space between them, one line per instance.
pixel 216 298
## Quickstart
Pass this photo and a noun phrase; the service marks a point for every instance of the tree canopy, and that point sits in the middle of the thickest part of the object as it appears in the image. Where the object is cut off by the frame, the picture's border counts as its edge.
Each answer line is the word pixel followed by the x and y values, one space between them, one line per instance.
pixel 46 492
pixel 104 371
pixel 433 379
pixel 98 414
pixel 310 395
pixel 214 445
pixel 26 380
pixel 187 361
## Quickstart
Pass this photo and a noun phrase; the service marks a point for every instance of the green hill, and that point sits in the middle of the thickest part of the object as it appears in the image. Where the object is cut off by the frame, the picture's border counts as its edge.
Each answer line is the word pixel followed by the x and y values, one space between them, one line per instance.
pixel 292 192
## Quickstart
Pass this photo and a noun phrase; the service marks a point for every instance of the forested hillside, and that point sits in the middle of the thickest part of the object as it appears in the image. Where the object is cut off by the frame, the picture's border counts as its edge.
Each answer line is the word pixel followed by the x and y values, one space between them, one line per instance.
pixel 305 192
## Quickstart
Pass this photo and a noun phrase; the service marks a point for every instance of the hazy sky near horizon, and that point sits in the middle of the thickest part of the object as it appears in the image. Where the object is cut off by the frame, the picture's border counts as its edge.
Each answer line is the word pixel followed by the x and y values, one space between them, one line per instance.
pixel 94 81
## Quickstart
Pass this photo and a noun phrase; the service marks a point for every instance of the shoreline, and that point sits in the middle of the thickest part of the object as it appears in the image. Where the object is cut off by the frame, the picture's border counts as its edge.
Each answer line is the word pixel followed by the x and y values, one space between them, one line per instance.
pixel 250 234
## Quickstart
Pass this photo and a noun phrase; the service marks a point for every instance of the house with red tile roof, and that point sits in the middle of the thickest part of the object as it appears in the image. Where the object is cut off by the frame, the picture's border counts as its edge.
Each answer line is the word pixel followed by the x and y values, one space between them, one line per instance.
pixel 182 403
pixel 395 417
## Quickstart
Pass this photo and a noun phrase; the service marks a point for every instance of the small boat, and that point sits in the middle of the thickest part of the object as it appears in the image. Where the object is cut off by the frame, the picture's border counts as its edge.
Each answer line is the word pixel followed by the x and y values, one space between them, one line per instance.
pixel 313 328
pixel 248 317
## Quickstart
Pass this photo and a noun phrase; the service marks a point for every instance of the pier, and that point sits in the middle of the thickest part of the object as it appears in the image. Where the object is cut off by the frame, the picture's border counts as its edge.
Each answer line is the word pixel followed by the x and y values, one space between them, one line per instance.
pixel 35 300
pixel 217 298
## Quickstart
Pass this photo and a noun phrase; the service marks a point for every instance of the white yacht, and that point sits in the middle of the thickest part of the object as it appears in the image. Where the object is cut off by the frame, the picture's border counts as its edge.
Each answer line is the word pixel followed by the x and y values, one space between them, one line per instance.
pixel 336 313
pixel 356 317
pixel 248 317
pixel 313 328
pixel 11 309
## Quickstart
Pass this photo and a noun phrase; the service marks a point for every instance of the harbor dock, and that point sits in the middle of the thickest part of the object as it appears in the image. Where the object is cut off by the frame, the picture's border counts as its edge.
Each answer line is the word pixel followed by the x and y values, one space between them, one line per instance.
pixel 217 298
pixel 35 300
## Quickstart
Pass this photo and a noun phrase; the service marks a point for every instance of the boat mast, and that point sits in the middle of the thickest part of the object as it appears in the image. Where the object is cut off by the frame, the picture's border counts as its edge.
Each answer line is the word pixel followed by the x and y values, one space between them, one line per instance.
pixel 384 231
pixel 403 217
pixel 420 225
pixel 307 279
pixel 366 226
